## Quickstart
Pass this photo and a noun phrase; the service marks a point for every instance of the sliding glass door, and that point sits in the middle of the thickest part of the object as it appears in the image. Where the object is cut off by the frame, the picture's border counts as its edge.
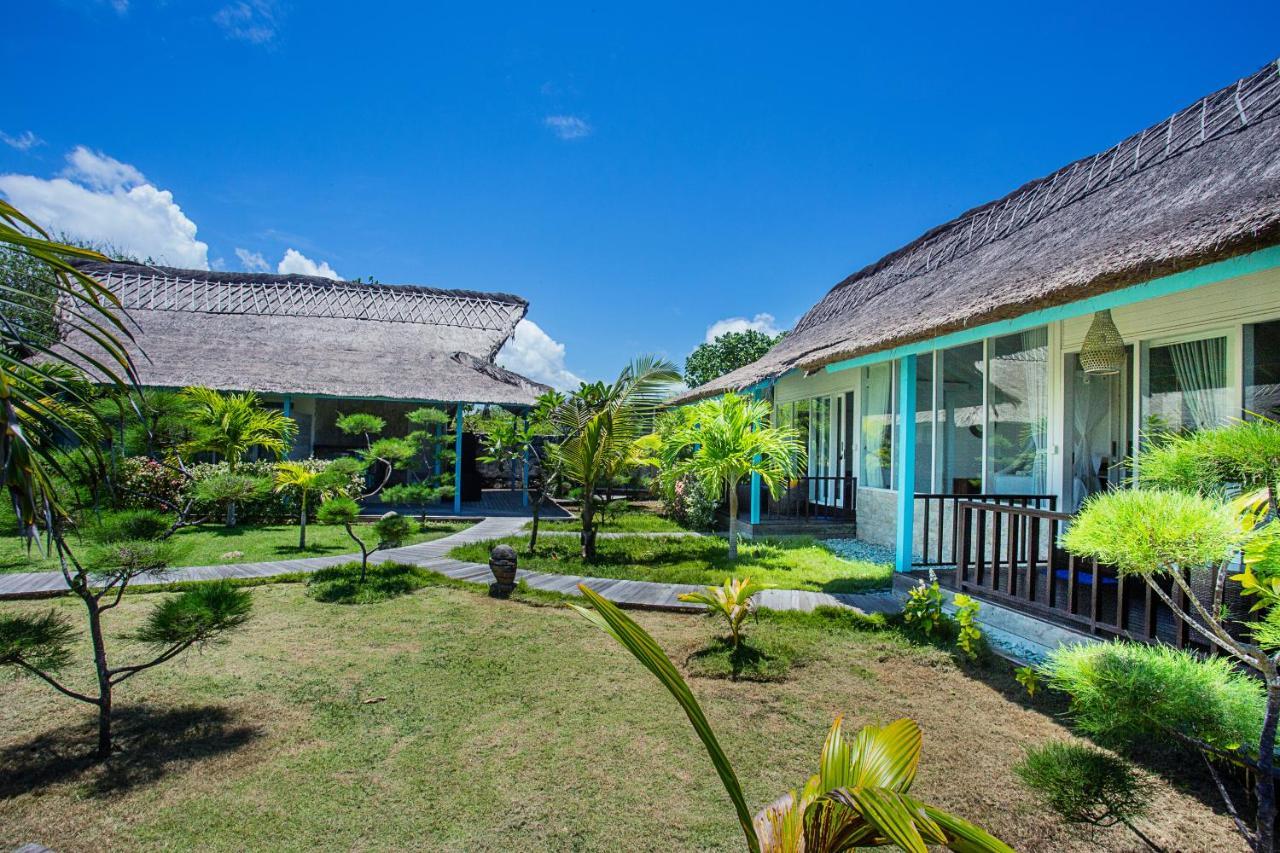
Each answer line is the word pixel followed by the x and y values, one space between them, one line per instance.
pixel 1187 386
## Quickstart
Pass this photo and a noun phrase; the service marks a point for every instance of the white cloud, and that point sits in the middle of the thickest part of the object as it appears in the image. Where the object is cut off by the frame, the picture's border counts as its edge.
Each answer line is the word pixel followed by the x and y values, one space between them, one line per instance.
pixel 762 322
pixel 533 353
pixel 296 263
pixel 100 171
pixel 24 141
pixel 254 21
pixel 568 127
pixel 101 199
pixel 252 261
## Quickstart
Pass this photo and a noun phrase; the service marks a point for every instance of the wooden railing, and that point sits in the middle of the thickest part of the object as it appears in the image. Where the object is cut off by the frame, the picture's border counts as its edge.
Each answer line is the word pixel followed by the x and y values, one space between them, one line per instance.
pixel 1009 554
pixel 815 499
pixel 939 521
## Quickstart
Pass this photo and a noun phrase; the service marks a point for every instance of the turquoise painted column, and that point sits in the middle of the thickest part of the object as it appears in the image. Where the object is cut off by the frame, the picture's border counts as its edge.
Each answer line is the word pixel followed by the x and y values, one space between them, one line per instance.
pixel 755 484
pixel 457 464
pixel 906 461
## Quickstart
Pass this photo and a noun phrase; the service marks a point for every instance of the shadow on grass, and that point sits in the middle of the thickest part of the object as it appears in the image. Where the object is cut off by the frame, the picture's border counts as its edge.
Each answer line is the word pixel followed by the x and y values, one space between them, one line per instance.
pixel 342 584
pixel 744 662
pixel 149 743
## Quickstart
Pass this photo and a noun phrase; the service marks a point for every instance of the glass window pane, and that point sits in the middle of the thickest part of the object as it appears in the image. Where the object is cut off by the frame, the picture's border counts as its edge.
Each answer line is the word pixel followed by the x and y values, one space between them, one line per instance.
pixel 1018 428
pixel 877 427
pixel 960 420
pixel 1262 369
pixel 924 423
pixel 1187 387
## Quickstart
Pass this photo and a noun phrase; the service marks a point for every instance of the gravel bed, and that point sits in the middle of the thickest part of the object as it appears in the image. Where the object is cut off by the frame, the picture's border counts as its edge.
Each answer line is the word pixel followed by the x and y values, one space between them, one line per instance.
pixel 856 549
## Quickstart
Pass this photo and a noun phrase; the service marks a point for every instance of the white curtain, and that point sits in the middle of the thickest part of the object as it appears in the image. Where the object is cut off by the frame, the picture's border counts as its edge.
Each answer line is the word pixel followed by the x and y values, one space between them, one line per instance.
pixel 1200 368
pixel 1090 404
pixel 877 396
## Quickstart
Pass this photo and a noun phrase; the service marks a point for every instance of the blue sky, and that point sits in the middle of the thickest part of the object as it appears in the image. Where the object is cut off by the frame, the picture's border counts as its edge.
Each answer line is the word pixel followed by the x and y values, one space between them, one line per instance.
pixel 640 174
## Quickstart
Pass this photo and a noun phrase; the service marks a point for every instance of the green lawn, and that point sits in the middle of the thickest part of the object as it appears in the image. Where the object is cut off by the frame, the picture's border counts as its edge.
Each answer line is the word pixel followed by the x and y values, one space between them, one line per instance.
pixel 445 720
pixel 794 562
pixel 208 544
pixel 631 520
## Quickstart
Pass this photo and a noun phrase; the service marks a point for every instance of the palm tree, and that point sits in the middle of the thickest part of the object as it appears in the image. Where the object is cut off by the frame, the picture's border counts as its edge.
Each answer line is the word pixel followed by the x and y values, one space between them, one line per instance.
pixel 232 424
pixel 303 480
pixel 725 440
pixel 34 409
pixel 600 423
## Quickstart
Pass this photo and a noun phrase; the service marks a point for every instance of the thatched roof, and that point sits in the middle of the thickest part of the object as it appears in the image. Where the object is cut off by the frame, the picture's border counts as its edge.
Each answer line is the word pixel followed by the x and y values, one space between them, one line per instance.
pixel 292 334
pixel 1201 186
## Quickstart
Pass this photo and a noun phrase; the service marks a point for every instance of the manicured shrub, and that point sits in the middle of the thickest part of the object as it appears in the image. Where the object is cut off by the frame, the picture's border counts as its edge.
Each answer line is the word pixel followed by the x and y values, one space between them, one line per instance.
pixel 1086 785
pixel 692 503
pixel 142 483
pixel 129 524
pixel 1130 691
pixel 1243 454
pixel 411 494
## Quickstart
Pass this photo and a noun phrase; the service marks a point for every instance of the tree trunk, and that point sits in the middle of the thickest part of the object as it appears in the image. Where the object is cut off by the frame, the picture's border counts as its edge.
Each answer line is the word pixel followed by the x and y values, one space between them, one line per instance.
pixel 533 528
pixel 302 526
pixel 104 676
pixel 733 521
pixel 588 527
pixel 231 514
pixel 1266 788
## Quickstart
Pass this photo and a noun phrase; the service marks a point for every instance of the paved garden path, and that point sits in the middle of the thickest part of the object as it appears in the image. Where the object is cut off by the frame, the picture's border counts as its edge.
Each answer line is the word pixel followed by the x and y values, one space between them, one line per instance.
pixel 431 555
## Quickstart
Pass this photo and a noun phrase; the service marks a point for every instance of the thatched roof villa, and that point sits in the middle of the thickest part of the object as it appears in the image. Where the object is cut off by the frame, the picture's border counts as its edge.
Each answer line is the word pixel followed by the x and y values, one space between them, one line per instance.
pixel 316 346
pixel 1037 338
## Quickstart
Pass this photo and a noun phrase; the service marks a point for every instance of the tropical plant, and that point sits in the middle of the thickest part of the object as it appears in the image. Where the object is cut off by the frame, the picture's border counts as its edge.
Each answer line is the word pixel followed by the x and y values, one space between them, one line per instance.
pixel 302 480
pixel 1029 678
pixel 727 439
pixel 922 611
pixel 691 503
pixel 1086 785
pixel 727 352
pixel 392 528
pixel 969 635
pixel 230 425
pixel 858 798
pixel 598 424
pixel 229 491
pixel 731 601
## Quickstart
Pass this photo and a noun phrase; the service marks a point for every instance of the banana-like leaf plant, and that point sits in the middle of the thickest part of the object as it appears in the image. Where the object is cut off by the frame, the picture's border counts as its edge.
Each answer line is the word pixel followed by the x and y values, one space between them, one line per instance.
pixel 732 601
pixel 858 797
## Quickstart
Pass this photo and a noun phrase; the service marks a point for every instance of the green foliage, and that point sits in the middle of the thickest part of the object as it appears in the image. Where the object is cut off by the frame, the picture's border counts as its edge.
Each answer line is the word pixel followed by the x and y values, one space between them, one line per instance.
pixel 392 529
pixel 1029 678
pixel 360 423
pixel 142 483
pixel 414 494
pixel 338 510
pixel 858 797
pixel 231 425
pixel 42 642
pixel 1149 531
pixel 151 422
pixel 393 451
pixel 123 525
pixel 343 585
pixel 1124 692
pixel 922 612
pixel 220 489
pixel 969 637
pixel 133 557
pixel 730 601
pixel 428 416
pixel 1243 454
pixel 196 616
pixel 344 476
pixel 727 352
pixel 691 502
pixel 1083 784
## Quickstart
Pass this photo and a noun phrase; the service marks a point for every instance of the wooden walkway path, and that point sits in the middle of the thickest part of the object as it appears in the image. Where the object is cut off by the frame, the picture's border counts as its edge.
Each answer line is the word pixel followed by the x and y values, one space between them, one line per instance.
pixel 431 555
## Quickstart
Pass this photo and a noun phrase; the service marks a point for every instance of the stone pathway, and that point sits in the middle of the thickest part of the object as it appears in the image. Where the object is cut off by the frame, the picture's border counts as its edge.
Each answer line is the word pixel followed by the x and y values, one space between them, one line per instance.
pixel 431 555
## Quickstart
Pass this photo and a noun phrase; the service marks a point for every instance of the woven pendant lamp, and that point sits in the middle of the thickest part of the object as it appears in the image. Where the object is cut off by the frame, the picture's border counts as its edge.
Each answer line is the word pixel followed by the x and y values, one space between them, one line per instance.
pixel 1102 353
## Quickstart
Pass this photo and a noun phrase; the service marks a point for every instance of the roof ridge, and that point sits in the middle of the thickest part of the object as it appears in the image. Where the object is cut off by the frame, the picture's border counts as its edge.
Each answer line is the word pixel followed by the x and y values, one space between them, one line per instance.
pixel 1230 109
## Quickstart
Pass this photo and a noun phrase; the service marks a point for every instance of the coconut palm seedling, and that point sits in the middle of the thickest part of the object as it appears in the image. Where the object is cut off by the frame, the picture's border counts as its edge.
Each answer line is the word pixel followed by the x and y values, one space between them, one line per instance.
pixel 231 425
pixel 731 601
pixel 859 796
pixel 727 439
pixel 302 480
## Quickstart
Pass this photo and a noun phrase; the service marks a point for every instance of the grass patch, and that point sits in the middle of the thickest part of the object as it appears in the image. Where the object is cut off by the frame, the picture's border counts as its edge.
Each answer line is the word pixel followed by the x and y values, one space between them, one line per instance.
pixel 209 545
pixel 445 720
pixel 342 584
pixel 631 520
pixel 794 563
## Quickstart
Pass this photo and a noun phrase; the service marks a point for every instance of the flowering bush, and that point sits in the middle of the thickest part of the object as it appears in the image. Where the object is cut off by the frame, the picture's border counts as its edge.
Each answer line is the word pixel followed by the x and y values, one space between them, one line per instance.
pixel 269 507
pixel 691 503
pixel 143 483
